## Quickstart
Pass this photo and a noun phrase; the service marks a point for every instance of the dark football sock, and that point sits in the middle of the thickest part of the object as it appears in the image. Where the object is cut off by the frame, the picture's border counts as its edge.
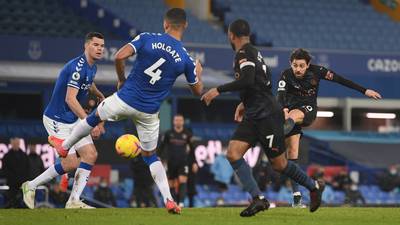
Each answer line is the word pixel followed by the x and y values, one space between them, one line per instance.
pixel 295 185
pixel 298 175
pixel 246 177
pixel 288 126
pixel 182 192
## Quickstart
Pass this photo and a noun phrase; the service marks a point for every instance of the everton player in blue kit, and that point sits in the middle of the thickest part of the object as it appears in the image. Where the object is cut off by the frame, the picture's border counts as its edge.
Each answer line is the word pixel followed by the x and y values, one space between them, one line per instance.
pixel 62 115
pixel 161 58
pixel 260 120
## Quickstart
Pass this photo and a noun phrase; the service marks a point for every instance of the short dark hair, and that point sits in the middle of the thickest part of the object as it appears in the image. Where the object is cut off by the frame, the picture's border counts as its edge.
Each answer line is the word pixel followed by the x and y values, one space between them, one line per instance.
pixel 240 28
pixel 89 36
pixel 300 54
pixel 179 115
pixel 176 16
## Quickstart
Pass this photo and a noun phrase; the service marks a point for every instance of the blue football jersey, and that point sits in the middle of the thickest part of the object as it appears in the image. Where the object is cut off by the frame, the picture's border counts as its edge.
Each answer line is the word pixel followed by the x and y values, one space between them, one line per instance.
pixel 77 73
pixel 160 59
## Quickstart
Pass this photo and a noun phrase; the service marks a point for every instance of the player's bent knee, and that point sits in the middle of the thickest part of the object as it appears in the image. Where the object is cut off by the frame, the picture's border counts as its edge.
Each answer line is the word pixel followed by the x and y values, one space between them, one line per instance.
pixel 279 167
pixel 279 163
pixel 232 156
pixel 69 164
pixel 88 154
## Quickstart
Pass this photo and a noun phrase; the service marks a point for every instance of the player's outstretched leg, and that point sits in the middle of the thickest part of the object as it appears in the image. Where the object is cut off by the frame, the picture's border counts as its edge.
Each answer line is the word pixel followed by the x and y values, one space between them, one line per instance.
pixel 29 187
pixel 315 187
pixel 159 175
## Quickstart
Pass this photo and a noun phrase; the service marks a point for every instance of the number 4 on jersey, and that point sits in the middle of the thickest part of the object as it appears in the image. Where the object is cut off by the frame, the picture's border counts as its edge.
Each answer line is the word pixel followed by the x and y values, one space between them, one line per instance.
pixel 154 72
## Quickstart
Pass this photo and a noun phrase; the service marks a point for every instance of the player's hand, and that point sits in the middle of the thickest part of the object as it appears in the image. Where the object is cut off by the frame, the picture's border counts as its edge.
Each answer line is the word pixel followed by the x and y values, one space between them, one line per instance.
pixel 95 133
pixel 286 112
pixel 100 98
pixel 239 112
pixel 198 69
pixel 373 94
pixel 209 96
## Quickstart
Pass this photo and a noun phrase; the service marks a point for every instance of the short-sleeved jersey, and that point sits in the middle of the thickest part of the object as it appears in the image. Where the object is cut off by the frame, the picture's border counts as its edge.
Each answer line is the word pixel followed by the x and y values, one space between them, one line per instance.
pixel 176 146
pixel 78 74
pixel 160 59
pixel 257 98
pixel 294 92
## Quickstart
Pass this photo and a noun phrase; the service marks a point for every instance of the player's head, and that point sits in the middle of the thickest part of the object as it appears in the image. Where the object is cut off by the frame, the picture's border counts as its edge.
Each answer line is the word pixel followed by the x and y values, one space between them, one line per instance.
pixel 178 121
pixel 15 142
pixel 175 19
pixel 238 30
pixel 94 45
pixel 300 61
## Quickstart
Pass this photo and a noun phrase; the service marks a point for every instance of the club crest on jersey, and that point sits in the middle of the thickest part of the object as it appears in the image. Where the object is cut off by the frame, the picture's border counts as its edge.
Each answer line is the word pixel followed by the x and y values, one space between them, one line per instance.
pixel 76 76
pixel 237 75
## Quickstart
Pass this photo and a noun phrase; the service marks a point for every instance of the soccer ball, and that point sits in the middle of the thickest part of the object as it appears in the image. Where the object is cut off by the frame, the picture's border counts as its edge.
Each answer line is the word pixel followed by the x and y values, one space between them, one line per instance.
pixel 128 146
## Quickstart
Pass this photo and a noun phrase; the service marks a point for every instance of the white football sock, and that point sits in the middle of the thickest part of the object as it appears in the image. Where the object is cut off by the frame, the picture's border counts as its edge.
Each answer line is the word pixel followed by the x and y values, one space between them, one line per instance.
pixel 80 181
pixel 160 178
pixel 81 130
pixel 43 178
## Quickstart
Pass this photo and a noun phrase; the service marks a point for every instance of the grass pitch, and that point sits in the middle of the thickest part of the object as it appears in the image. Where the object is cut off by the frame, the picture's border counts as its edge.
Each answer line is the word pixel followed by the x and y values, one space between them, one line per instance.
pixel 206 216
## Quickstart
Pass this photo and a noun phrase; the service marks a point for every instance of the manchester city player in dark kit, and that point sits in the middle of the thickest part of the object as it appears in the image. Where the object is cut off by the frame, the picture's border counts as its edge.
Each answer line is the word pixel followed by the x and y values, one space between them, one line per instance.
pixel 297 93
pixel 260 119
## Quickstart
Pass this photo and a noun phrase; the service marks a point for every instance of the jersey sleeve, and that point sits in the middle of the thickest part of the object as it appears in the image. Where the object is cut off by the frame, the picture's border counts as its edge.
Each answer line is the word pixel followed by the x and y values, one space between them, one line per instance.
pixel 75 78
pixel 190 71
pixel 282 89
pixel 247 64
pixel 246 58
pixel 326 74
pixel 138 42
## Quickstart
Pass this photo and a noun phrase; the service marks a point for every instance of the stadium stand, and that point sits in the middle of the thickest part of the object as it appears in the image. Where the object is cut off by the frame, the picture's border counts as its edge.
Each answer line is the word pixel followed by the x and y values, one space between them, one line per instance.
pixel 146 16
pixel 339 25
pixel 44 18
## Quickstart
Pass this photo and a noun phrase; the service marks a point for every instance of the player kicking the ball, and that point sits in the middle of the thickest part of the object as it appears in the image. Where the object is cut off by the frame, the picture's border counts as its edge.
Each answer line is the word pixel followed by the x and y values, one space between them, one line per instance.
pixel 161 58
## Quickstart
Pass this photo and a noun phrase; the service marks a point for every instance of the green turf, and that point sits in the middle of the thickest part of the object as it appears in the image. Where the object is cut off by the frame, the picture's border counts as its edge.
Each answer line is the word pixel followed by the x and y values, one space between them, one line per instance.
pixel 211 216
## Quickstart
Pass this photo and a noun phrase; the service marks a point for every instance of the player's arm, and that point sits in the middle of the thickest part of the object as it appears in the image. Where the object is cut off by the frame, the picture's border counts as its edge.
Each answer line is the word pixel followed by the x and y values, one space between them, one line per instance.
pixel 73 103
pixel 120 57
pixel 95 91
pixel 239 112
pixel 197 88
pixel 282 89
pixel 246 79
pixel 332 76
